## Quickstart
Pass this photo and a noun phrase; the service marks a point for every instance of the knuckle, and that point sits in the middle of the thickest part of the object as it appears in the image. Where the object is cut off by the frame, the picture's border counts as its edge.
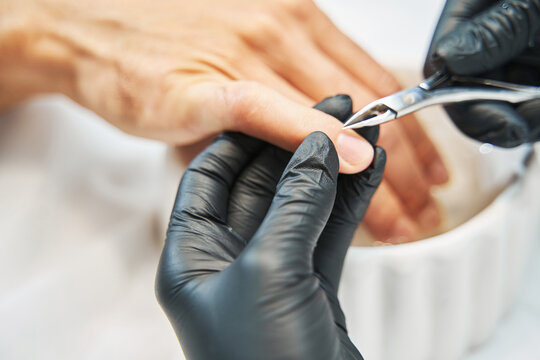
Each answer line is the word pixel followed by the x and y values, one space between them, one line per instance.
pixel 262 30
pixel 250 263
pixel 416 198
pixel 298 8
pixel 386 83
pixel 241 101
pixel 260 263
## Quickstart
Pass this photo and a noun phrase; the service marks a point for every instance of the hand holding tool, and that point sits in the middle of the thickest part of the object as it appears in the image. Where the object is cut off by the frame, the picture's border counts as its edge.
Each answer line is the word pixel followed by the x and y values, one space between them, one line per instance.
pixel 440 89
pixel 497 40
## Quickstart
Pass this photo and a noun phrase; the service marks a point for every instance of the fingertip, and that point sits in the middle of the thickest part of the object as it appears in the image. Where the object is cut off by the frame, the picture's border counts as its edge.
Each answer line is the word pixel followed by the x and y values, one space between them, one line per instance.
pixel 456 53
pixel 321 144
pixel 316 152
pixel 403 230
pixel 355 153
pixel 435 63
pixel 437 173
pixel 304 199
pixel 378 165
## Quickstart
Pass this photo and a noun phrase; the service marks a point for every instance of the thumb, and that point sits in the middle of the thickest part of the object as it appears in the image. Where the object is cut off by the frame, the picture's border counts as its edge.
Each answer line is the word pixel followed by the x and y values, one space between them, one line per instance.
pixel 352 200
pixel 300 209
pixel 261 112
pixel 489 39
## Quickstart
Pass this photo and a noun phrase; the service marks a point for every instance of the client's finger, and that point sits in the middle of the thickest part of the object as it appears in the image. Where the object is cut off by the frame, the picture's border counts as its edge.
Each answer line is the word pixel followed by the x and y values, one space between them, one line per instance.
pixel 206 184
pixel 430 159
pixel 407 179
pixel 256 70
pixel 351 57
pixel 345 52
pixel 258 111
pixel 386 219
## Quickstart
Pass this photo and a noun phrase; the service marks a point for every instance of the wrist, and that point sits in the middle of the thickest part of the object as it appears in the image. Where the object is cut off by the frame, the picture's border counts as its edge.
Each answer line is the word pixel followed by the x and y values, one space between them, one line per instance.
pixel 33 57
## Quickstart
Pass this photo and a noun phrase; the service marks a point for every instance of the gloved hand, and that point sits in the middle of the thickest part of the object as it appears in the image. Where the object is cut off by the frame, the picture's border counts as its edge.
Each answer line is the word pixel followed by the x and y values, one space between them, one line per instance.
pixel 498 40
pixel 255 249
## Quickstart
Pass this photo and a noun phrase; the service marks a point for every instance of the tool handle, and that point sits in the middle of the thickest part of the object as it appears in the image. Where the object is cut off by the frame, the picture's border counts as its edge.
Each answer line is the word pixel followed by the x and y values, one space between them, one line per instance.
pixel 414 100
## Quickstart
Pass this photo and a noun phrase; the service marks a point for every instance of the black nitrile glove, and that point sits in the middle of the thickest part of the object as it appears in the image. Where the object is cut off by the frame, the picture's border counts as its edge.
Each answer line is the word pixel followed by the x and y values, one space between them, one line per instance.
pixel 255 248
pixel 498 40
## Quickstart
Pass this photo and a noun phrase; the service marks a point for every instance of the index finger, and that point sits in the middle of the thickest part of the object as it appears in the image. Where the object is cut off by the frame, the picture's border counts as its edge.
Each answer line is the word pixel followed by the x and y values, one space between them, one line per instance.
pixel 489 39
pixel 205 186
pixel 265 114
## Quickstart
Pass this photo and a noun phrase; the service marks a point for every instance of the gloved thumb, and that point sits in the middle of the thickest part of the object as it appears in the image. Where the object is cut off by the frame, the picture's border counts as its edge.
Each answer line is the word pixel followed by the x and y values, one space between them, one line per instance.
pixel 303 202
pixel 489 39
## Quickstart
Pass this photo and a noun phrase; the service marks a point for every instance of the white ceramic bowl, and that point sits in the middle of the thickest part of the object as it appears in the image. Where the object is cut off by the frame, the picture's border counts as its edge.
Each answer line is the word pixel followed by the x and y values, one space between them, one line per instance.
pixel 439 297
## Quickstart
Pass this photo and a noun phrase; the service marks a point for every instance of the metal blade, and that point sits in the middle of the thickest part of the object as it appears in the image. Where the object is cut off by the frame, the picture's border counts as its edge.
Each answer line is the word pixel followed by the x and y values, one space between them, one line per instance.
pixel 358 120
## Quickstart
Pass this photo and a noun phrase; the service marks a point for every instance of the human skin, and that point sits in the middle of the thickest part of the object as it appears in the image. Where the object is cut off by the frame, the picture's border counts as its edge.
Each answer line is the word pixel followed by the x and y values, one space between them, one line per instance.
pixel 184 71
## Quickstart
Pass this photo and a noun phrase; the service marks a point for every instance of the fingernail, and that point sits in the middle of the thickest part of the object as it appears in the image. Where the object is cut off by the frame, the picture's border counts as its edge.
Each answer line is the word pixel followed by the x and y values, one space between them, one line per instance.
pixel 438 173
pixel 354 150
pixel 430 217
pixel 404 230
pixel 398 240
pixel 370 133
pixel 381 243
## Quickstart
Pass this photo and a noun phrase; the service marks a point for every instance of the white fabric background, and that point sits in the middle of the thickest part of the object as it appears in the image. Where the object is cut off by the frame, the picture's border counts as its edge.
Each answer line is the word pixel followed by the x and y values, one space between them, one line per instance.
pixel 80 227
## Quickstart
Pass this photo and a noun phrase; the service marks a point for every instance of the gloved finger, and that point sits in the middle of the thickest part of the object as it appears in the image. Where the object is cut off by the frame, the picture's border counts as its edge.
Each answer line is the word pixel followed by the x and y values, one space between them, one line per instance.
pixel 254 190
pixel 497 123
pixel 529 111
pixel 300 209
pixel 454 13
pixel 352 200
pixel 204 189
pixel 490 39
pixel 341 107
pixel 197 235
pixel 458 11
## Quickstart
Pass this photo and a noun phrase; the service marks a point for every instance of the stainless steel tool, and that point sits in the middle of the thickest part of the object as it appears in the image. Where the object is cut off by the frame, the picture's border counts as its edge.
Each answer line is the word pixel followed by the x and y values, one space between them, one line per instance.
pixel 437 90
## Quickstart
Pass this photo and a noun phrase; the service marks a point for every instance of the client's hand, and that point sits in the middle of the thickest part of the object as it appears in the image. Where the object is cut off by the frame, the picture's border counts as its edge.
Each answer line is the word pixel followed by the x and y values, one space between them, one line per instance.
pixel 184 71
pixel 255 248
pixel 498 40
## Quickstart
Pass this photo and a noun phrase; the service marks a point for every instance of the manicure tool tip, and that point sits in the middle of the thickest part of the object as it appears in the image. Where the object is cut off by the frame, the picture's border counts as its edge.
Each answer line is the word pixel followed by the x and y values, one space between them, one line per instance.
pixel 360 120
